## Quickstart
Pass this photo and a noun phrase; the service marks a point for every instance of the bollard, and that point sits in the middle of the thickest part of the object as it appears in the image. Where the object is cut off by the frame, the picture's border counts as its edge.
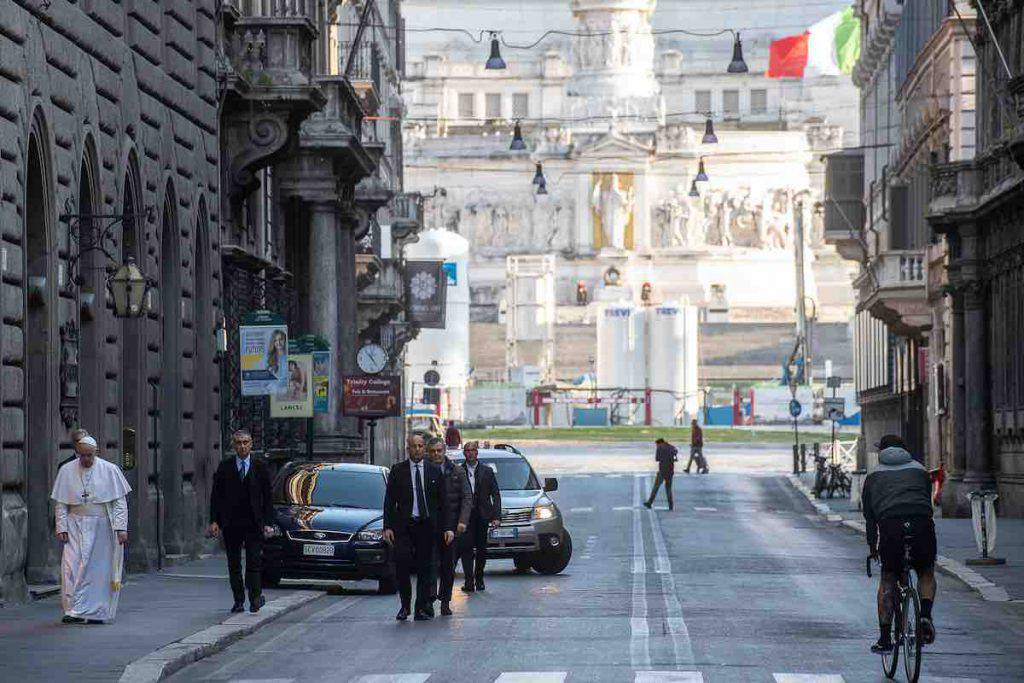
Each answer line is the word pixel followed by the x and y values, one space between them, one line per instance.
pixel 796 460
pixel 983 517
pixel 803 456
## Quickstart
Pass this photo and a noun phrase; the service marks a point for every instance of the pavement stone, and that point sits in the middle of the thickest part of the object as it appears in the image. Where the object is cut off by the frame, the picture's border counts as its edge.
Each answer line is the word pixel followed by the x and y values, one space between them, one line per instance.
pixel 955 542
pixel 165 620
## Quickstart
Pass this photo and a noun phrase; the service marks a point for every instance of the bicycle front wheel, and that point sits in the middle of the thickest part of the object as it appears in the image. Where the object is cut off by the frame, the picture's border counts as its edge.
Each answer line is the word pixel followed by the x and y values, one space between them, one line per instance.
pixel 912 635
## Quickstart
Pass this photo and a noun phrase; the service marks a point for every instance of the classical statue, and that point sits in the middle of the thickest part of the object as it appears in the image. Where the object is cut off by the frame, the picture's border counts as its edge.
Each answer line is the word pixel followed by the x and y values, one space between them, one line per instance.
pixel 775 220
pixel 672 222
pixel 615 207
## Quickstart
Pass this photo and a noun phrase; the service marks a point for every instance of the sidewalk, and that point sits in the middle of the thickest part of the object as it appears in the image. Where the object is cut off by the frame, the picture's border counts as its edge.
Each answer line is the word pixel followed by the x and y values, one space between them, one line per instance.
pixel 155 609
pixel 956 544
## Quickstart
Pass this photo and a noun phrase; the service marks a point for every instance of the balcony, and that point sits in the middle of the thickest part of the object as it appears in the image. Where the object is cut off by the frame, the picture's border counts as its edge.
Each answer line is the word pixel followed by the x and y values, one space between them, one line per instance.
pixel 843 204
pixel 406 219
pixel 894 289
pixel 381 296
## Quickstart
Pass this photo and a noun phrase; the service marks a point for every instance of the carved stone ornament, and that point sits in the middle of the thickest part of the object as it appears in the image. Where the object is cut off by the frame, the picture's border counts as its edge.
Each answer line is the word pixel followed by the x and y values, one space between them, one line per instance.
pixel 257 141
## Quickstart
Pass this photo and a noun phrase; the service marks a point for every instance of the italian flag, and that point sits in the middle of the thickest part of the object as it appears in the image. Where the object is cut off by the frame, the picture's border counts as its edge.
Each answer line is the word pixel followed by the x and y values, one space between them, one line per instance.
pixel 828 48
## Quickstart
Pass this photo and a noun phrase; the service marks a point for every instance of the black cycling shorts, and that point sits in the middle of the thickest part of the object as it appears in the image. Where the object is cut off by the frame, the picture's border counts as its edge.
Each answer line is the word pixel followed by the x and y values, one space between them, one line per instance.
pixel 922 543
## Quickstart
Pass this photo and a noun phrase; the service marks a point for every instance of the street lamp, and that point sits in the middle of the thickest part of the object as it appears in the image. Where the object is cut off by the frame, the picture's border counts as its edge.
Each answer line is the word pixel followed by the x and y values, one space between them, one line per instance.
pixel 495 62
pixel 518 144
pixel 738 65
pixel 709 132
pixel 130 290
pixel 702 176
pixel 694 192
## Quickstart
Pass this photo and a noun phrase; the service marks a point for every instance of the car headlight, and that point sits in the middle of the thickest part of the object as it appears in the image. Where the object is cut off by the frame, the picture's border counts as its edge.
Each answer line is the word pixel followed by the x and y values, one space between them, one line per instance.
pixel 275 531
pixel 544 511
pixel 371 535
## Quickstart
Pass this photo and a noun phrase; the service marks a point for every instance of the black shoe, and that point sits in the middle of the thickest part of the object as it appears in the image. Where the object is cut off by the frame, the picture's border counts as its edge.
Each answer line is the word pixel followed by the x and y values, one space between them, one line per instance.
pixel 423 615
pixel 446 610
pixel 647 505
pixel 93 622
pixel 468 588
pixel 254 605
pixel 68 619
pixel 687 470
pixel 882 647
pixel 671 507
pixel 927 631
pixel 428 610
pixel 239 606
pixel 480 585
pixel 403 614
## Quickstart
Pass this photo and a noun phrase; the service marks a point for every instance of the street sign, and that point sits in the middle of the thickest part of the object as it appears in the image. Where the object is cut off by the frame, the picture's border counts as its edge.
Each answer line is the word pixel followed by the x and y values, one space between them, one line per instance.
pixel 431 378
pixel 834 382
pixel 835 408
pixel 795 408
pixel 371 397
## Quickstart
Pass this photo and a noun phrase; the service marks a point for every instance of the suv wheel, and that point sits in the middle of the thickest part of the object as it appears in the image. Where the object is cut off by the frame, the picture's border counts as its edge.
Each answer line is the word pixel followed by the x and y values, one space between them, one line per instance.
pixel 554 560
pixel 270 579
pixel 523 563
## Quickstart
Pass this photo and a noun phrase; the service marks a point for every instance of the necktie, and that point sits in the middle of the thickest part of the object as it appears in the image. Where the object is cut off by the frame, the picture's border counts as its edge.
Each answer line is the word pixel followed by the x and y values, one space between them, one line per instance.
pixel 242 470
pixel 421 500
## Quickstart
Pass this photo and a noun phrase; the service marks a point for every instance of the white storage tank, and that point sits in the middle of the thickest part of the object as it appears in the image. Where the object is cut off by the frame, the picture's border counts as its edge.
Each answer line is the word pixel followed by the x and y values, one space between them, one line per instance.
pixel 447 350
pixel 672 363
pixel 620 354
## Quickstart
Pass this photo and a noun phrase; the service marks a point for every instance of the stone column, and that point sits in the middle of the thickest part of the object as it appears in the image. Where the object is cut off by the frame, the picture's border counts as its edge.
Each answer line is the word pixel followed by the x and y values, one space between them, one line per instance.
pixel 978 456
pixel 346 321
pixel 952 500
pixel 323 297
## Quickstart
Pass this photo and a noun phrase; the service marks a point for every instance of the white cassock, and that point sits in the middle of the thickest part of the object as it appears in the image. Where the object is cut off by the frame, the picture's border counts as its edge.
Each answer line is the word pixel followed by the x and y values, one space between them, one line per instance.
pixel 91 508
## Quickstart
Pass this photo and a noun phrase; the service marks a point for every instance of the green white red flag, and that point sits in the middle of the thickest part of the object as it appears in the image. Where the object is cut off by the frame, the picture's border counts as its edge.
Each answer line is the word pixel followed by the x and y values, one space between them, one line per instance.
pixel 828 48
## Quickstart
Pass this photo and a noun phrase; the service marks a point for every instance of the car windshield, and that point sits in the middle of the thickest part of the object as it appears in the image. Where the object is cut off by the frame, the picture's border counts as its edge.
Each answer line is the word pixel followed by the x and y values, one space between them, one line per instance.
pixel 514 474
pixel 324 487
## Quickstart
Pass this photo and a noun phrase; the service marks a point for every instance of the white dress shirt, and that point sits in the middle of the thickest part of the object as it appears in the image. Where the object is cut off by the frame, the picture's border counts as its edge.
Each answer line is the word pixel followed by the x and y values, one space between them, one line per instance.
pixel 471 470
pixel 417 471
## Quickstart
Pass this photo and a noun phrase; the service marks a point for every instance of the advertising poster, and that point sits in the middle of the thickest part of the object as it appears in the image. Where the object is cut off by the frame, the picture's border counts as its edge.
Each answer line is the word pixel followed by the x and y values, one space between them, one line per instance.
pixel 371 397
pixel 426 291
pixel 321 382
pixel 263 354
pixel 297 399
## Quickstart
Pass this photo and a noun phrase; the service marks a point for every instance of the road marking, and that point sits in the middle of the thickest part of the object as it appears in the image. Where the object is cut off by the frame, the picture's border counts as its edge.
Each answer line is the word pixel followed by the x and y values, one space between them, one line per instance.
pixel 681 646
pixel 295 630
pixel 808 678
pixel 614 476
pixel 948 679
pixel 588 509
pixel 532 677
pixel 639 645
pixel 392 678
pixel 669 677
pixel 706 509
pixel 622 508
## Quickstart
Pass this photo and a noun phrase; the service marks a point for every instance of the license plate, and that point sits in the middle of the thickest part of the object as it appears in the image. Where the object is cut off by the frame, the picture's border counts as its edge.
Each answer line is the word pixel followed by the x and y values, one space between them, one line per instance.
pixel 318 549
pixel 505 533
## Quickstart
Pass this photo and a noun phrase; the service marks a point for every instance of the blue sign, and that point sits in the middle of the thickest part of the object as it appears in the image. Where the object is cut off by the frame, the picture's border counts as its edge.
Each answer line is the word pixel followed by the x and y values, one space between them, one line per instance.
pixel 452 271
pixel 795 408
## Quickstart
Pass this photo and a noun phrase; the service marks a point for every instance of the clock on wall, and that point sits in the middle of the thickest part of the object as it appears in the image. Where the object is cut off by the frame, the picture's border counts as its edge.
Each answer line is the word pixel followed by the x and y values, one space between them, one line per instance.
pixel 372 358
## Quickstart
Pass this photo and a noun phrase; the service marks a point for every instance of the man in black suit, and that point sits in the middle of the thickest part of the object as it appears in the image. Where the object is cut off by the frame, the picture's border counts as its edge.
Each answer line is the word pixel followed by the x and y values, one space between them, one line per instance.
pixel 485 514
pixel 241 511
pixel 458 501
pixel 414 513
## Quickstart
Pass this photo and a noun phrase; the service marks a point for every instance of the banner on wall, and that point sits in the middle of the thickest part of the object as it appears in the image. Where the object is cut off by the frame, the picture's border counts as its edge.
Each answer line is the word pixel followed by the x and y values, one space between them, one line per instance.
pixel 263 354
pixel 297 399
pixel 371 397
pixel 426 293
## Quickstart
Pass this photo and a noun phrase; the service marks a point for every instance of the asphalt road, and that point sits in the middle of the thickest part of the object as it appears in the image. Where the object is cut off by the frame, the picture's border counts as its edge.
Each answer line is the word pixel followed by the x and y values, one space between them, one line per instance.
pixel 741 582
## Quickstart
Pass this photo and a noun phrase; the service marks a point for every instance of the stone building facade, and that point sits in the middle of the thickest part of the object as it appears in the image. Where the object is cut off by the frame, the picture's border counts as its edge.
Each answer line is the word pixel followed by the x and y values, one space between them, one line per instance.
pixel 219 145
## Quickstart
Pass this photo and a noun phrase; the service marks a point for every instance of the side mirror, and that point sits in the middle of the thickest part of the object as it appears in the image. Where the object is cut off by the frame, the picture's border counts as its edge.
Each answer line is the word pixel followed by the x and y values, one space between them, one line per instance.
pixel 550 484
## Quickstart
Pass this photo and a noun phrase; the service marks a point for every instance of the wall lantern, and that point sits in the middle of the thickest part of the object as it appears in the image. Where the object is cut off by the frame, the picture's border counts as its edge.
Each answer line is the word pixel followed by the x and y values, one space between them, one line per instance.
pixel 130 290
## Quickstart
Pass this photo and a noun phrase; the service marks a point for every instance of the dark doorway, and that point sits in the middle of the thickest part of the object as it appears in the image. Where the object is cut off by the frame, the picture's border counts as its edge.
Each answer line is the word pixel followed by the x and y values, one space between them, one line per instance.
pixel 169 450
pixel 206 455
pixel 90 274
pixel 41 345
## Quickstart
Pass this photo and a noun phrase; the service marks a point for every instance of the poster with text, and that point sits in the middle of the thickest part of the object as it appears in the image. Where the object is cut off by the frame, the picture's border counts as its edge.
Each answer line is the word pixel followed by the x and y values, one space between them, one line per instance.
pixel 426 291
pixel 263 354
pixel 297 399
pixel 371 397
pixel 321 382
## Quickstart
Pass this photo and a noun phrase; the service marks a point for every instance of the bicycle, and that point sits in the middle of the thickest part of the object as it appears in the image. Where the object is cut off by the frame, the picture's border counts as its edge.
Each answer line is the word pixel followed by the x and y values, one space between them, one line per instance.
pixel 906 612
pixel 838 480
pixel 821 475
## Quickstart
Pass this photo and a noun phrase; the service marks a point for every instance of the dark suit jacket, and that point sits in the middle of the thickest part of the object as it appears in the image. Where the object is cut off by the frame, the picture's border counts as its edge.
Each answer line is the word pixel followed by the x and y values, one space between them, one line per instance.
pixel 458 496
pixel 228 488
pixel 398 497
pixel 486 495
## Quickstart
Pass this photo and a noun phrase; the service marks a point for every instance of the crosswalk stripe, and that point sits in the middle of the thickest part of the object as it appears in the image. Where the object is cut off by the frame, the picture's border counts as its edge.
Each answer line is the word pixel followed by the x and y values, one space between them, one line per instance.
pixel 948 679
pixel 706 509
pixel 532 677
pixel 588 509
pixel 808 678
pixel 669 677
pixel 392 678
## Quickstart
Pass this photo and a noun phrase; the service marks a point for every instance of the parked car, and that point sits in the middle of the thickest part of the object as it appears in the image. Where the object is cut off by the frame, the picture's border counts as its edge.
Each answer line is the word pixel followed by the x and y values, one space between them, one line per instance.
pixel 425 423
pixel 532 532
pixel 329 525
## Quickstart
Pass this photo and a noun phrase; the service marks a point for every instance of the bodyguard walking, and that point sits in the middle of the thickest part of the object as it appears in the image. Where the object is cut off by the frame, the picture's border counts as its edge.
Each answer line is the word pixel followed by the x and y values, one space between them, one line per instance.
pixel 665 453
pixel 413 513
pixel 485 514
pixel 458 500
pixel 241 511
pixel 697 449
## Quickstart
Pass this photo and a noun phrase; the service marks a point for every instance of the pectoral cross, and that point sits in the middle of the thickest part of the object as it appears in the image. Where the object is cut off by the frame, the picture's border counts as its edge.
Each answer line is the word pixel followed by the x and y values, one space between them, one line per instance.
pixel 85 497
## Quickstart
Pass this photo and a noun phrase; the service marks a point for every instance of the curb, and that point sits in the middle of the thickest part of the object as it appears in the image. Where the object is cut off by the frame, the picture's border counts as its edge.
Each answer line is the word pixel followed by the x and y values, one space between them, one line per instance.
pixel 970 578
pixel 161 663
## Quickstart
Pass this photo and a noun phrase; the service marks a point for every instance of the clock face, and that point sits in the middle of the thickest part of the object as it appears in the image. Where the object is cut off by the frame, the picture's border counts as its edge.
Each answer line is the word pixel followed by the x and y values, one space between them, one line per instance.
pixel 372 358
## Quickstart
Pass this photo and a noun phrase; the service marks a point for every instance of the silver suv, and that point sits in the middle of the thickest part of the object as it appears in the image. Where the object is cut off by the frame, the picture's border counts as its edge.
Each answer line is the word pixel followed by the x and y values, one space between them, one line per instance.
pixel 531 533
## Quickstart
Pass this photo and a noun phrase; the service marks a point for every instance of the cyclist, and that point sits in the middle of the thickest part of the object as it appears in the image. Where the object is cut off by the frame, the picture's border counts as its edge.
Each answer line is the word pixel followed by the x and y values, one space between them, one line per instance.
pixel 898 491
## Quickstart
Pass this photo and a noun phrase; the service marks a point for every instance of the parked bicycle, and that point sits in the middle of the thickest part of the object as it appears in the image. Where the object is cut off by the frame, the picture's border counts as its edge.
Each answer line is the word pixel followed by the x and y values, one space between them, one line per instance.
pixel 906 618
pixel 830 478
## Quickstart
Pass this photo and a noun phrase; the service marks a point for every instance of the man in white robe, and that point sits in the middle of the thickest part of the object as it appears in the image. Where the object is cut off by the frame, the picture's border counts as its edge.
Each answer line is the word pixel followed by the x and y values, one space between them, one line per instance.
pixel 92 523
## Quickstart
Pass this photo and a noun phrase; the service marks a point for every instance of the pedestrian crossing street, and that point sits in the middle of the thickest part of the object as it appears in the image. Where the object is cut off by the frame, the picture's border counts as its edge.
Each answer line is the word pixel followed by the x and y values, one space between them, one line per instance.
pixel 562 676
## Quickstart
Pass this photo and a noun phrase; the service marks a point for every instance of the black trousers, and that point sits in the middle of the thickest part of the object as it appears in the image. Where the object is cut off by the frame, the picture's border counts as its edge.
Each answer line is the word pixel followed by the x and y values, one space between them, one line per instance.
pixel 414 554
pixel 445 567
pixel 663 476
pixel 252 540
pixel 697 455
pixel 473 548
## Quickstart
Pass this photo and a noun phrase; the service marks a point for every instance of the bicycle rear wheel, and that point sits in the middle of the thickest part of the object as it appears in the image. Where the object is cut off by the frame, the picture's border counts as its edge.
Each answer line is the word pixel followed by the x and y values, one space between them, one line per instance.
pixel 911 635
pixel 891 662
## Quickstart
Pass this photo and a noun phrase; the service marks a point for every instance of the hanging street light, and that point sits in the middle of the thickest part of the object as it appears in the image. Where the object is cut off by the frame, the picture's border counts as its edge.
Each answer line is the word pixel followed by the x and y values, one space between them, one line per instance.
pixel 694 192
pixel 538 176
pixel 495 62
pixel 518 143
pixel 738 65
pixel 709 132
pixel 702 176
pixel 129 289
